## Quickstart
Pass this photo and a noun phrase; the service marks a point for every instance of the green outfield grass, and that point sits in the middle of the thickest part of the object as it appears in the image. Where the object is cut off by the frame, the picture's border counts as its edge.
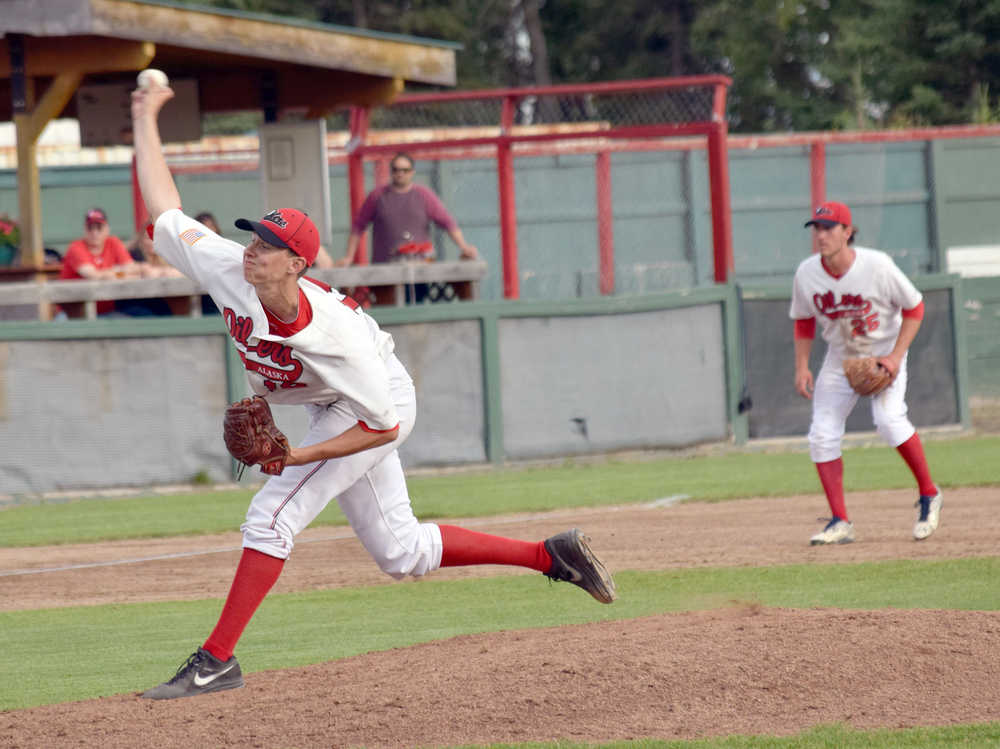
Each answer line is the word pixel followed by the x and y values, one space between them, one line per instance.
pixel 986 736
pixel 63 654
pixel 58 655
pixel 958 462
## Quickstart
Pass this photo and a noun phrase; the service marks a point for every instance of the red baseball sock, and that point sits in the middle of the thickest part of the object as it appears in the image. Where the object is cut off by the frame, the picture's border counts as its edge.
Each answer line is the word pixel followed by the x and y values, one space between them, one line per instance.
pixel 913 453
pixel 831 476
pixel 255 575
pixel 463 547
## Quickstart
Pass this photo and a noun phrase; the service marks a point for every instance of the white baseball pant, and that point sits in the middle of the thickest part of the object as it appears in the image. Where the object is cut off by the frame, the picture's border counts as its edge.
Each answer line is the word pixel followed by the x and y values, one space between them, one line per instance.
pixel 833 399
pixel 370 488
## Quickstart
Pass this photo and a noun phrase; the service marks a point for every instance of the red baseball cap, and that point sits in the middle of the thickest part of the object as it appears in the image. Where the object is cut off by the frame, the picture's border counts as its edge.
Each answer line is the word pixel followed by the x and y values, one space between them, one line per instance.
pixel 829 214
pixel 95 216
pixel 286 227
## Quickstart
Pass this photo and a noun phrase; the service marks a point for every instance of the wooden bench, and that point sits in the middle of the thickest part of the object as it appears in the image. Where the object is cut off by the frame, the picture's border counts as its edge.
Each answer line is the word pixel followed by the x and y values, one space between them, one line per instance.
pixel 386 282
pixel 14 273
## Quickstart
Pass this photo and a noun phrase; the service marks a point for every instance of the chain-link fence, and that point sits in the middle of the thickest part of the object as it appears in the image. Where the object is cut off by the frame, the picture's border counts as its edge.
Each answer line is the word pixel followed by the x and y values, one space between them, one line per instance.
pixel 530 175
pixel 613 108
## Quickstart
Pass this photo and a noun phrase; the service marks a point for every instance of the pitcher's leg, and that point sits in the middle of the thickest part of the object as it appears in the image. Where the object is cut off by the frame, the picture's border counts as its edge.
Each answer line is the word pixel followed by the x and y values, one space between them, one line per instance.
pixel 378 509
pixel 288 503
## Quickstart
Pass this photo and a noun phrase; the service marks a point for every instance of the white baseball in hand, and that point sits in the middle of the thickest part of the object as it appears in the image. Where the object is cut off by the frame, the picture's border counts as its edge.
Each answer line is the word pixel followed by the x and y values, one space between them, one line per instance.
pixel 151 77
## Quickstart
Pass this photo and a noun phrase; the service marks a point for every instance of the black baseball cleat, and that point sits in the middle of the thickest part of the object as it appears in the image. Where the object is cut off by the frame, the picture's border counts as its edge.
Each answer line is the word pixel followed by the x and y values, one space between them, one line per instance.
pixel 201 673
pixel 574 562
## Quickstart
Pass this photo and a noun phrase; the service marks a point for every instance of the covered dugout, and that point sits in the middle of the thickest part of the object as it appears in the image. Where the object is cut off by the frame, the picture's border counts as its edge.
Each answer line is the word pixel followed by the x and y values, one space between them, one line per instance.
pixel 231 61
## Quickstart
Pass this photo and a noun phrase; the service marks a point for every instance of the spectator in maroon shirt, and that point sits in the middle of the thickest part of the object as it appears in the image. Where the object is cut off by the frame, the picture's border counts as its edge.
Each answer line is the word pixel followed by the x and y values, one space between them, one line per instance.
pixel 401 214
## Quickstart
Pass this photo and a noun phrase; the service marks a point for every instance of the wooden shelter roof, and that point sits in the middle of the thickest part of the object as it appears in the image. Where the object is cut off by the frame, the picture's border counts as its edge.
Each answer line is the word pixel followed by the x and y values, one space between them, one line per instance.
pixel 240 61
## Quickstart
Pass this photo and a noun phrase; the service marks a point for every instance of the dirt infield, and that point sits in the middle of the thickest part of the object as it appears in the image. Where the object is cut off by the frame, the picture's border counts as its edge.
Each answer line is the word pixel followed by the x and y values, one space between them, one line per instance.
pixel 741 669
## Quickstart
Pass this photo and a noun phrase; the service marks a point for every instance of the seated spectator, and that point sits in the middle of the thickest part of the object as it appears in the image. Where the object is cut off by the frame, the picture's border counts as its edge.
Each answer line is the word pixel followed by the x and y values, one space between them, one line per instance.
pixel 151 265
pixel 208 220
pixel 98 255
pixel 323 259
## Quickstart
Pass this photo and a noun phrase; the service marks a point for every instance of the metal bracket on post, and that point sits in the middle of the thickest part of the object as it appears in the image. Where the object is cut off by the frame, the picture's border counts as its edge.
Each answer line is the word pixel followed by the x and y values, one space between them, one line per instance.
pixel 269 95
pixel 18 85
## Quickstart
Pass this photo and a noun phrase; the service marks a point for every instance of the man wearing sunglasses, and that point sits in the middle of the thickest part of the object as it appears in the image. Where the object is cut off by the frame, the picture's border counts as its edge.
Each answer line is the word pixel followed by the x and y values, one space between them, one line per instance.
pixel 401 214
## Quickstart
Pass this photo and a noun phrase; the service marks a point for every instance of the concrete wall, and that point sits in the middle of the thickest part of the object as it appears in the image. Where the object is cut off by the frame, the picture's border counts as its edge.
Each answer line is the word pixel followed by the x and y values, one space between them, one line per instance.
pixel 126 402
pixel 612 382
pixel 111 412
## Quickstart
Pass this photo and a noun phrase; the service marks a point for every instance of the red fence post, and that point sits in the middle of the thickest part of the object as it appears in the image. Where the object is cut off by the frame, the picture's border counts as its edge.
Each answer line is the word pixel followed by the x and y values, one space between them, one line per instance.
pixel 817 178
pixel 356 173
pixel 722 220
pixel 139 213
pixel 382 171
pixel 508 206
pixel 605 224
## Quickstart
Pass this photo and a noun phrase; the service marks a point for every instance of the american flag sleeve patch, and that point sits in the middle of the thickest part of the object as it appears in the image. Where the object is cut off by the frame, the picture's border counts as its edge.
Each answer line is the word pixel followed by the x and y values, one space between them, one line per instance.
pixel 192 235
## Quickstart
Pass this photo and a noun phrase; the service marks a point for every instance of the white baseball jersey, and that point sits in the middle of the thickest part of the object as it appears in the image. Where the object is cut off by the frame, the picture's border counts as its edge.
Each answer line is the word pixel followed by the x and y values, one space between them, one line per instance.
pixel 860 313
pixel 340 355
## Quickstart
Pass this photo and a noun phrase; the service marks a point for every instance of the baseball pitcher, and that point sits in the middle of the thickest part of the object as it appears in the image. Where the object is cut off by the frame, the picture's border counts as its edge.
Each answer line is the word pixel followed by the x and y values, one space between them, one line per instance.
pixel 305 344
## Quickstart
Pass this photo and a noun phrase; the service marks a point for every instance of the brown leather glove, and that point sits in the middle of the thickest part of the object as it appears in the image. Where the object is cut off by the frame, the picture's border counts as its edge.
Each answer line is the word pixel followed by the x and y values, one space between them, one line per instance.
pixel 867 376
pixel 252 437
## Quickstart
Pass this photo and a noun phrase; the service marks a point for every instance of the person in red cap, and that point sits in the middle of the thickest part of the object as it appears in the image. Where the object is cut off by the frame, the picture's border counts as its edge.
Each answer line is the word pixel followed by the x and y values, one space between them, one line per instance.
pixel 865 306
pixel 98 255
pixel 304 343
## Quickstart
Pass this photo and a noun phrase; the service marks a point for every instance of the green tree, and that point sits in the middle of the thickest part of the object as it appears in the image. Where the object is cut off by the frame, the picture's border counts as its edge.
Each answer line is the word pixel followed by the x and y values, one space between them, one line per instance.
pixel 591 40
pixel 820 64
pixel 937 55
pixel 795 64
pixel 774 53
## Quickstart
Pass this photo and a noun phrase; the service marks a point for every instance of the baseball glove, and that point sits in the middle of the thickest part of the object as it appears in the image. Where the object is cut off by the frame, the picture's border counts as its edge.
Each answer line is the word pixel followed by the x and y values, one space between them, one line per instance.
pixel 252 437
pixel 866 375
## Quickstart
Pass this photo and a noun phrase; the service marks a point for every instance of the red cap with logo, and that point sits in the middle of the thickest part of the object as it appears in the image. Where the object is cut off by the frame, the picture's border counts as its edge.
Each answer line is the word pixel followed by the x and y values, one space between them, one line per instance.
pixel 95 216
pixel 289 228
pixel 829 214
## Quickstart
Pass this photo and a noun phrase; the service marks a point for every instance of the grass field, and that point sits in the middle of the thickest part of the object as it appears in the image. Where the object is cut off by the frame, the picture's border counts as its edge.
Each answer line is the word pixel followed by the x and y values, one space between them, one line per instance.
pixel 58 655
pixel 958 462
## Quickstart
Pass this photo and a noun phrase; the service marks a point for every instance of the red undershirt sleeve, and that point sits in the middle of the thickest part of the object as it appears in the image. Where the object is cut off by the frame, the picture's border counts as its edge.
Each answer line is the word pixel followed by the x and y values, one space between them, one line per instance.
pixel 375 431
pixel 917 313
pixel 805 328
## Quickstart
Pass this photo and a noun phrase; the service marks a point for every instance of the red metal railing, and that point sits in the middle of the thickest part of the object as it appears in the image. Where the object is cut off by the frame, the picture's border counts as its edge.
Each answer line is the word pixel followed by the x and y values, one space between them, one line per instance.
pixel 685 106
pixel 507 140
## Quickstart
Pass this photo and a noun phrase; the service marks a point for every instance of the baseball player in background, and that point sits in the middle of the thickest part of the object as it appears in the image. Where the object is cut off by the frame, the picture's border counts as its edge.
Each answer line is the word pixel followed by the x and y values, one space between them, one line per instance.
pixel 865 306
pixel 304 343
